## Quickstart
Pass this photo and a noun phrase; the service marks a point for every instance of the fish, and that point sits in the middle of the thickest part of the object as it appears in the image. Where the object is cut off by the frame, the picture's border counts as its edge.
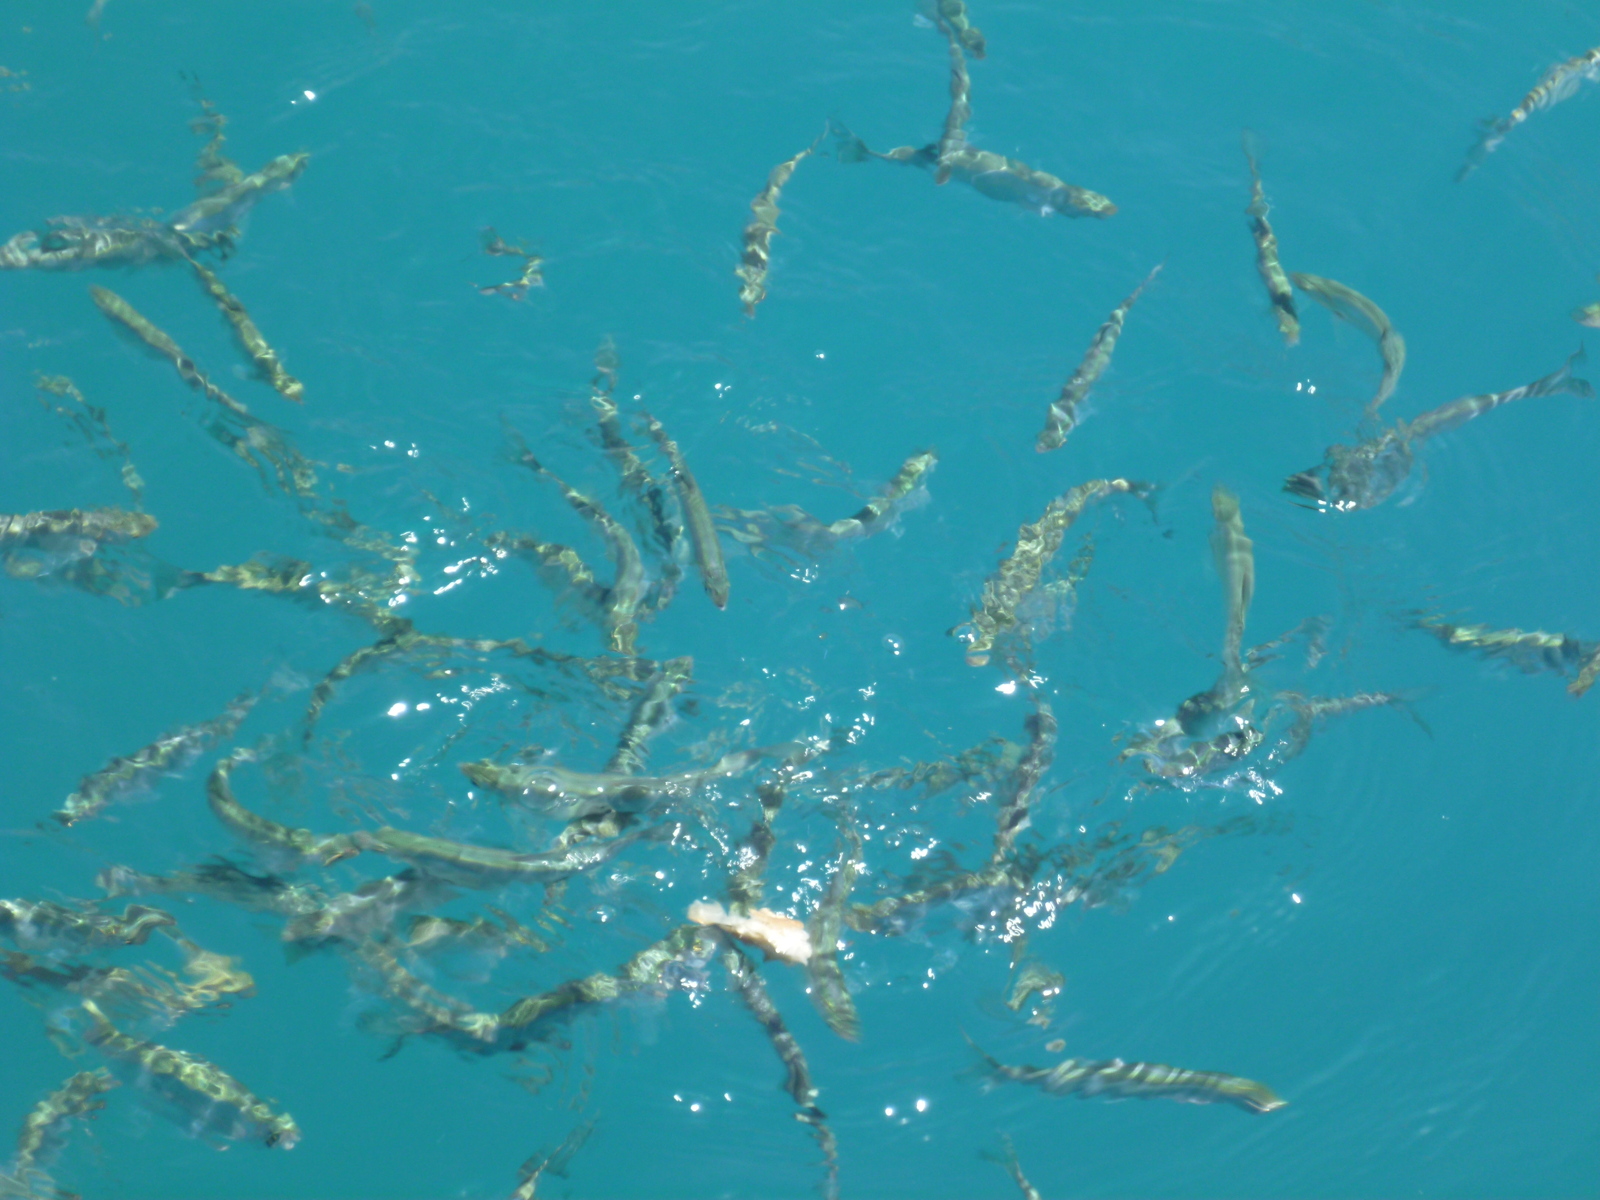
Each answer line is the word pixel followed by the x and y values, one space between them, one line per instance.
pixel 660 527
pixel 214 170
pixel 954 137
pixel 568 795
pixel 1589 314
pixel 268 366
pixel 757 256
pixel 1560 82
pixel 627 589
pixel 702 530
pixel 752 989
pixel 1020 572
pixel 75 243
pixel 1309 711
pixel 789 525
pixel 126 775
pixel 645 970
pixel 1587 673
pixel 1014 1168
pixel 1063 416
pixel 213 1101
pixel 1015 811
pixel 531 277
pixel 1365 475
pixel 1014 182
pixel 44 1129
pixel 1034 978
pixel 829 991
pixel 953 14
pixel 1236 565
pixel 438 1013
pixel 650 715
pixel 44 924
pixel 1530 651
pixel 296 844
pixel 218 879
pixel 99 526
pixel 1267 264
pixel 1116 1078
pixel 229 203
pixel 119 310
pixel 467 865
pixel 1350 305
pixel 555 1162
pixel 90 420
pixel 368 911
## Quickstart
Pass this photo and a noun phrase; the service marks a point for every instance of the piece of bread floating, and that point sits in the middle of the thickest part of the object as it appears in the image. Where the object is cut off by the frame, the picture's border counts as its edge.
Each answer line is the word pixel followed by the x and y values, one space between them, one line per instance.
pixel 780 936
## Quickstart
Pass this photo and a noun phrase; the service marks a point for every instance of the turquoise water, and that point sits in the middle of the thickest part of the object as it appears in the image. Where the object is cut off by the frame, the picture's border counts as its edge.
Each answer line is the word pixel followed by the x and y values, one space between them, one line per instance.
pixel 1396 931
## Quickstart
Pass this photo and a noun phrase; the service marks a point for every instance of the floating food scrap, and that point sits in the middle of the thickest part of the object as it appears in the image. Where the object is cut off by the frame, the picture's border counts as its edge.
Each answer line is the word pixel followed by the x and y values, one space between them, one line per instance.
pixel 1267 251
pixel 1560 82
pixel 1063 416
pixel 1350 305
pixel 1366 474
pixel 757 257
pixel 779 936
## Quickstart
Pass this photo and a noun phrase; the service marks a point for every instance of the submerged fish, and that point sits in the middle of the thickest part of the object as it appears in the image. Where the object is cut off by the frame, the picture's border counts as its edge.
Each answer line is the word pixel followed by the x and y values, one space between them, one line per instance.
pixel 532 276
pixel 829 991
pixel 295 844
pixel 1352 306
pixel 44 1129
pixel 1063 416
pixel 790 526
pixel 125 775
pixel 268 365
pixel 623 597
pixel 1014 1168
pixel 1530 651
pixel 46 925
pixel 566 794
pixel 757 256
pixel 953 13
pixel 120 311
pixel 652 713
pixel 467 865
pixel 1559 83
pixel 212 1101
pixel 1115 1078
pixel 1366 474
pixel 702 530
pixel 1267 264
pixel 1019 574
pixel 91 421
pixel 1588 315
pixel 100 526
pixel 225 206
pixel 74 243
pixel 1001 178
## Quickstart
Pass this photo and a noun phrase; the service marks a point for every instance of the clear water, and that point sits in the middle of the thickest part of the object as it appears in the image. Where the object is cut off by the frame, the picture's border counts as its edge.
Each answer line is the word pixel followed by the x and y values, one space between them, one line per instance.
pixel 1401 939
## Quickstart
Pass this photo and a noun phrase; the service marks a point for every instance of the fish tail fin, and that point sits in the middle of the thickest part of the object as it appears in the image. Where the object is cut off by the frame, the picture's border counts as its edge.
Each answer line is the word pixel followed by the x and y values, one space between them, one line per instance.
pixel 847 147
pixel 986 1065
pixel 1573 384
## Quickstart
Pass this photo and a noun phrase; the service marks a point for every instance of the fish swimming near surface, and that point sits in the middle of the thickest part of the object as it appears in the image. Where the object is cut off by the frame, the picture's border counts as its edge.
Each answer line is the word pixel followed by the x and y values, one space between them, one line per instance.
pixel 1116 1079
pixel 1272 274
pixel 211 1101
pixel 127 774
pixel 697 515
pixel 265 358
pixel 1559 83
pixel 1350 305
pixel 1589 314
pixel 756 260
pixel 1367 474
pixel 1063 415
